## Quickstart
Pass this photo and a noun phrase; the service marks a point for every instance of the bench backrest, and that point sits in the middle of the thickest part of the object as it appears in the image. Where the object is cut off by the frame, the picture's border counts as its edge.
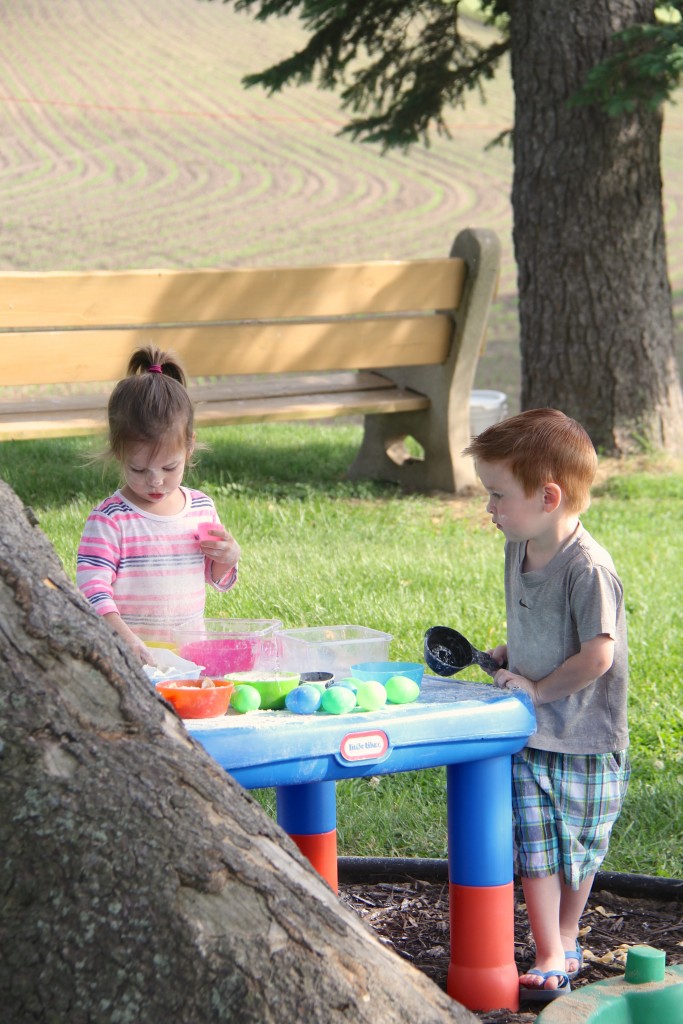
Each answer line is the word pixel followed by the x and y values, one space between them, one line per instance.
pixel 82 327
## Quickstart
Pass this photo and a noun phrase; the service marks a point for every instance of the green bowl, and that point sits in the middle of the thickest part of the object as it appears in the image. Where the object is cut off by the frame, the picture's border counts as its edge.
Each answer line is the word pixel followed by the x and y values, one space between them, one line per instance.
pixel 273 687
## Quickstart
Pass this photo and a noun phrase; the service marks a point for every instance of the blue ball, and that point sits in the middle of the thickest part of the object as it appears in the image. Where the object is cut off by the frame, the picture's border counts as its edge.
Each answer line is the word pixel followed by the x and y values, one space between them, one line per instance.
pixel 303 699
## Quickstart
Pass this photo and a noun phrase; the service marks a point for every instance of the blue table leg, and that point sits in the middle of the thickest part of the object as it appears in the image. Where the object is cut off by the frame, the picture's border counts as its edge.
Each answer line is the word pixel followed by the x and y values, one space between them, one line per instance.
pixel 308 814
pixel 482 974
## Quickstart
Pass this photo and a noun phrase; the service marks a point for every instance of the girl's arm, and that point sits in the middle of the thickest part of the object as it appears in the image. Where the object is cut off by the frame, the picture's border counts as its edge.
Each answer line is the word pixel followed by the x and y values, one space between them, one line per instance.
pixel 223 552
pixel 133 641
pixel 97 565
pixel 591 662
pixel 99 555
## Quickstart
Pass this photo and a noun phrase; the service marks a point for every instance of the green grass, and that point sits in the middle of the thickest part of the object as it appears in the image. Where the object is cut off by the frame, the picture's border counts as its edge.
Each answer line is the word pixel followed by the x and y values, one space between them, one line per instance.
pixel 188 169
pixel 318 549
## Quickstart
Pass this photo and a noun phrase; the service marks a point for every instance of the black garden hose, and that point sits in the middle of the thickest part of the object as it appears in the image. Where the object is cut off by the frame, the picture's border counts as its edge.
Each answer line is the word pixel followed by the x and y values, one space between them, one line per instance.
pixel 358 870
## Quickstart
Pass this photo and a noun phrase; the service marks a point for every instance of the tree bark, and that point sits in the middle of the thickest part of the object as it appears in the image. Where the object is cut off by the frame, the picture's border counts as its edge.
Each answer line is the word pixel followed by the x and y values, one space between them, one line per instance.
pixel 597 333
pixel 139 882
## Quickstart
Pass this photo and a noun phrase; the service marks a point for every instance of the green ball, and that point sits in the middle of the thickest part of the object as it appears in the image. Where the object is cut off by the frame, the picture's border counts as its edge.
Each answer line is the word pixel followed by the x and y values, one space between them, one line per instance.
pixel 320 687
pixel 338 699
pixel 402 690
pixel 349 682
pixel 245 698
pixel 371 695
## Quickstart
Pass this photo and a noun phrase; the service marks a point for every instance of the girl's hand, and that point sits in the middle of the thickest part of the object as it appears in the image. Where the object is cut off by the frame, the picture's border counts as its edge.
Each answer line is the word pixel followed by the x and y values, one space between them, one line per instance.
pixel 134 642
pixel 221 547
pixel 140 651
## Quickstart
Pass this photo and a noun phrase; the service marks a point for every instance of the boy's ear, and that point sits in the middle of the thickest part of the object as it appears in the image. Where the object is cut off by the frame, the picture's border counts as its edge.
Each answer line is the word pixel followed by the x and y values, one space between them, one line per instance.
pixel 552 497
pixel 193 440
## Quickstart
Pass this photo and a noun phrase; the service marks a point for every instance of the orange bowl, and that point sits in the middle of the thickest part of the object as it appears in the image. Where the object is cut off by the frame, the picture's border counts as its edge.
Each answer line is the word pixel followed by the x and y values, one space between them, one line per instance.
pixel 191 701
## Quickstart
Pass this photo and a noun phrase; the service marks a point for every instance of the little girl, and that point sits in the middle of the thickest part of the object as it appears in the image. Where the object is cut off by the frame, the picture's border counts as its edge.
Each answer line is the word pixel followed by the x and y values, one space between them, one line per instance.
pixel 141 563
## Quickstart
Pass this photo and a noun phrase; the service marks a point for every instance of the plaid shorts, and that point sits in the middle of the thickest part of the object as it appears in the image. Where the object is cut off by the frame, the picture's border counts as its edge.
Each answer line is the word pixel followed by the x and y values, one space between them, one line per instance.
pixel 564 807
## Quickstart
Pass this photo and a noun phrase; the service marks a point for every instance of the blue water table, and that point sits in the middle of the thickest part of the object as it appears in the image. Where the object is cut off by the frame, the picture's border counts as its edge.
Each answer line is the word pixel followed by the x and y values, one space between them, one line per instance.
pixel 471 728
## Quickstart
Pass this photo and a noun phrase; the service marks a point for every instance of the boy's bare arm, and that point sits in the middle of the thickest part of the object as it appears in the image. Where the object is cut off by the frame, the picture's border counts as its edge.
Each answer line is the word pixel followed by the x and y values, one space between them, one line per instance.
pixel 591 662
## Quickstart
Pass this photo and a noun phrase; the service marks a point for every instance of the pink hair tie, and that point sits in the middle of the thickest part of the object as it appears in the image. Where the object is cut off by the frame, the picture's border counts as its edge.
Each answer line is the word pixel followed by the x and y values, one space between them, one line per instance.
pixel 154 368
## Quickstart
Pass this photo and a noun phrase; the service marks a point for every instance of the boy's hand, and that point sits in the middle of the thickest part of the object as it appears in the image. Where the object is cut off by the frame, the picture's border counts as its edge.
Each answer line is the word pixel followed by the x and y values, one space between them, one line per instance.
pixel 499 654
pixel 579 670
pixel 506 680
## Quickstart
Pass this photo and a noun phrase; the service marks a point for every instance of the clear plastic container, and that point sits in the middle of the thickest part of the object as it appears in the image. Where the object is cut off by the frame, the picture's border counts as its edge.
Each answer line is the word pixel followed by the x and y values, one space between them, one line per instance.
pixel 330 648
pixel 230 645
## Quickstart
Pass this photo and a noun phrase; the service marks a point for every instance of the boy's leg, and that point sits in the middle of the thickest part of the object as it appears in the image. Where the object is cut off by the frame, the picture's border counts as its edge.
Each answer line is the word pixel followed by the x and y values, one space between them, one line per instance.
pixel 572 905
pixel 554 911
pixel 543 898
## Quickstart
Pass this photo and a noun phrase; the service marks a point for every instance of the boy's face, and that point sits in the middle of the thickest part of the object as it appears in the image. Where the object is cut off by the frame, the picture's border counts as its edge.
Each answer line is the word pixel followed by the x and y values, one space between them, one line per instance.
pixel 519 517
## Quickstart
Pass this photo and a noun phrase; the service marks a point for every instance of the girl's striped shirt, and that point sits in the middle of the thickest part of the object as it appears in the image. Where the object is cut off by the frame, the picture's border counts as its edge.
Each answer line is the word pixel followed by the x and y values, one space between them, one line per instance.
pixel 147 567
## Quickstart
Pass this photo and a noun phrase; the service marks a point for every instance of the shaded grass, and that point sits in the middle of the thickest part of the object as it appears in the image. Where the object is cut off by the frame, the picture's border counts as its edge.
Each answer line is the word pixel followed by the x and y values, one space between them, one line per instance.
pixel 318 549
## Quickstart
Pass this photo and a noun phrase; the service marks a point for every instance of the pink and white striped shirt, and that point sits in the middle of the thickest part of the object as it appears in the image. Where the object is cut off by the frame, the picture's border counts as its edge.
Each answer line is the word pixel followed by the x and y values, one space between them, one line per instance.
pixel 147 567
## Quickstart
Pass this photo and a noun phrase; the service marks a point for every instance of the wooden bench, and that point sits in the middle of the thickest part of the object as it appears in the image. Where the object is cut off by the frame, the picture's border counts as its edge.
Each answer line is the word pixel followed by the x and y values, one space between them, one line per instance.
pixel 396 341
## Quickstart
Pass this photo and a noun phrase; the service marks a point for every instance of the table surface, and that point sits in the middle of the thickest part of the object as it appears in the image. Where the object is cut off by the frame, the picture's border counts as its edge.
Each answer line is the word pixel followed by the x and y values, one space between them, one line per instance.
pixel 451 722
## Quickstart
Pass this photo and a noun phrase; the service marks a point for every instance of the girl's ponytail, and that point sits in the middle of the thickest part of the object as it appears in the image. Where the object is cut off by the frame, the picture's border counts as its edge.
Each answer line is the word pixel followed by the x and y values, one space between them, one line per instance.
pixel 151 403
pixel 153 360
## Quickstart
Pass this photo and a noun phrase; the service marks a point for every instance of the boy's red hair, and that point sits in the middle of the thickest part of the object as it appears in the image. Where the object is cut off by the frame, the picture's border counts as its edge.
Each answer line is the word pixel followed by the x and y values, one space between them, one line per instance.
pixel 542 446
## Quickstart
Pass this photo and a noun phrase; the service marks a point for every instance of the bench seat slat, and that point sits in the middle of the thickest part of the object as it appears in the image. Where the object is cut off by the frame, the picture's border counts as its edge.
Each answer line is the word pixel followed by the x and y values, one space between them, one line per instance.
pixel 310 407
pixel 48 357
pixel 221 389
pixel 181 296
pixel 297 398
pixel 288 385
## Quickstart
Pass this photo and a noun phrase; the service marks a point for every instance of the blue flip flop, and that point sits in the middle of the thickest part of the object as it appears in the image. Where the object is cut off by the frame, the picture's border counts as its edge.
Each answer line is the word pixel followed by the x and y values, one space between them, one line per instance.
pixel 574 954
pixel 542 994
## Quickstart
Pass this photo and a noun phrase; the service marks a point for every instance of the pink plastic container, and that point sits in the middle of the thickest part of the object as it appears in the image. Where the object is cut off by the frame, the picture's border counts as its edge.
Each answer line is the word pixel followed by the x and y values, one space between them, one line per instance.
pixel 224 646
pixel 204 531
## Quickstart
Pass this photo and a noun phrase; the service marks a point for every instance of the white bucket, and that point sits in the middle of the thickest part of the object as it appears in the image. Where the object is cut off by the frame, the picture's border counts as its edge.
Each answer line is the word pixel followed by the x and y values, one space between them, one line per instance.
pixel 486 408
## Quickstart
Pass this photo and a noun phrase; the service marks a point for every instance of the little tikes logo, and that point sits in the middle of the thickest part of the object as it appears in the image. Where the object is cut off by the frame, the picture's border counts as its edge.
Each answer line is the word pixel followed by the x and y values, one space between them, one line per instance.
pixel 364 746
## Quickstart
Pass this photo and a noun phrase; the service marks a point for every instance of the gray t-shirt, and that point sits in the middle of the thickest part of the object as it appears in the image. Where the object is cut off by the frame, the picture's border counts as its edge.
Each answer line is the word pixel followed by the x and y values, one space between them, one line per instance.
pixel 550 613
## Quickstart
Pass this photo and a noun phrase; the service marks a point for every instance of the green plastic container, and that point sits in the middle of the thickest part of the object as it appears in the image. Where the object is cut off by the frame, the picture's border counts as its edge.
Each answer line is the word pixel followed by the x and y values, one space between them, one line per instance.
pixel 273 688
pixel 648 993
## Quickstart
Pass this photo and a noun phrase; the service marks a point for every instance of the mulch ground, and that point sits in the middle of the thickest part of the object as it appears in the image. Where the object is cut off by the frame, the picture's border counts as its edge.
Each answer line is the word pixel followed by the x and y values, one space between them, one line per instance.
pixel 411 917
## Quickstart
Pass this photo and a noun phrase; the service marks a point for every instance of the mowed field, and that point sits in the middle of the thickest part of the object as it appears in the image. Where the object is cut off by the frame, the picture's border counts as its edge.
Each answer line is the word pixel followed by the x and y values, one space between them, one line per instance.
pixel 128 140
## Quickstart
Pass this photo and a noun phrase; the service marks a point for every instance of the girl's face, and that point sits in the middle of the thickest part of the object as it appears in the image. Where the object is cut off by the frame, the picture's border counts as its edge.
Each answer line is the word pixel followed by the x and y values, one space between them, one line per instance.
pixel 153 474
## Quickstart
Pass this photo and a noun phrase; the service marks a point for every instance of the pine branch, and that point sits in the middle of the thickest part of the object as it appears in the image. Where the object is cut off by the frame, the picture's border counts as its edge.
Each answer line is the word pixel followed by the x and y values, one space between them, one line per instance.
pixel 397 63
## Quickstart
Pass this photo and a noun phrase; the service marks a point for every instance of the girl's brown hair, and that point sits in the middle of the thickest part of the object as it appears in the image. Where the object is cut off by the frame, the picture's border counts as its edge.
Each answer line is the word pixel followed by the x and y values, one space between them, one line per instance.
pixel 542 446
pixel 150 404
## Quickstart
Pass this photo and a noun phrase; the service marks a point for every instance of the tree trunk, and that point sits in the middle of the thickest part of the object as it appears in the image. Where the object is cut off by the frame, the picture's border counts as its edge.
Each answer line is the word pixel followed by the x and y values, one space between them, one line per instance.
pixel 139 882
pixel 597 332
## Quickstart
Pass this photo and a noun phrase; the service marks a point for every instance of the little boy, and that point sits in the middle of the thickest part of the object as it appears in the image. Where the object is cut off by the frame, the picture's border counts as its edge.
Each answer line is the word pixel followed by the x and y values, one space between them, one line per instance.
pixel 566 647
